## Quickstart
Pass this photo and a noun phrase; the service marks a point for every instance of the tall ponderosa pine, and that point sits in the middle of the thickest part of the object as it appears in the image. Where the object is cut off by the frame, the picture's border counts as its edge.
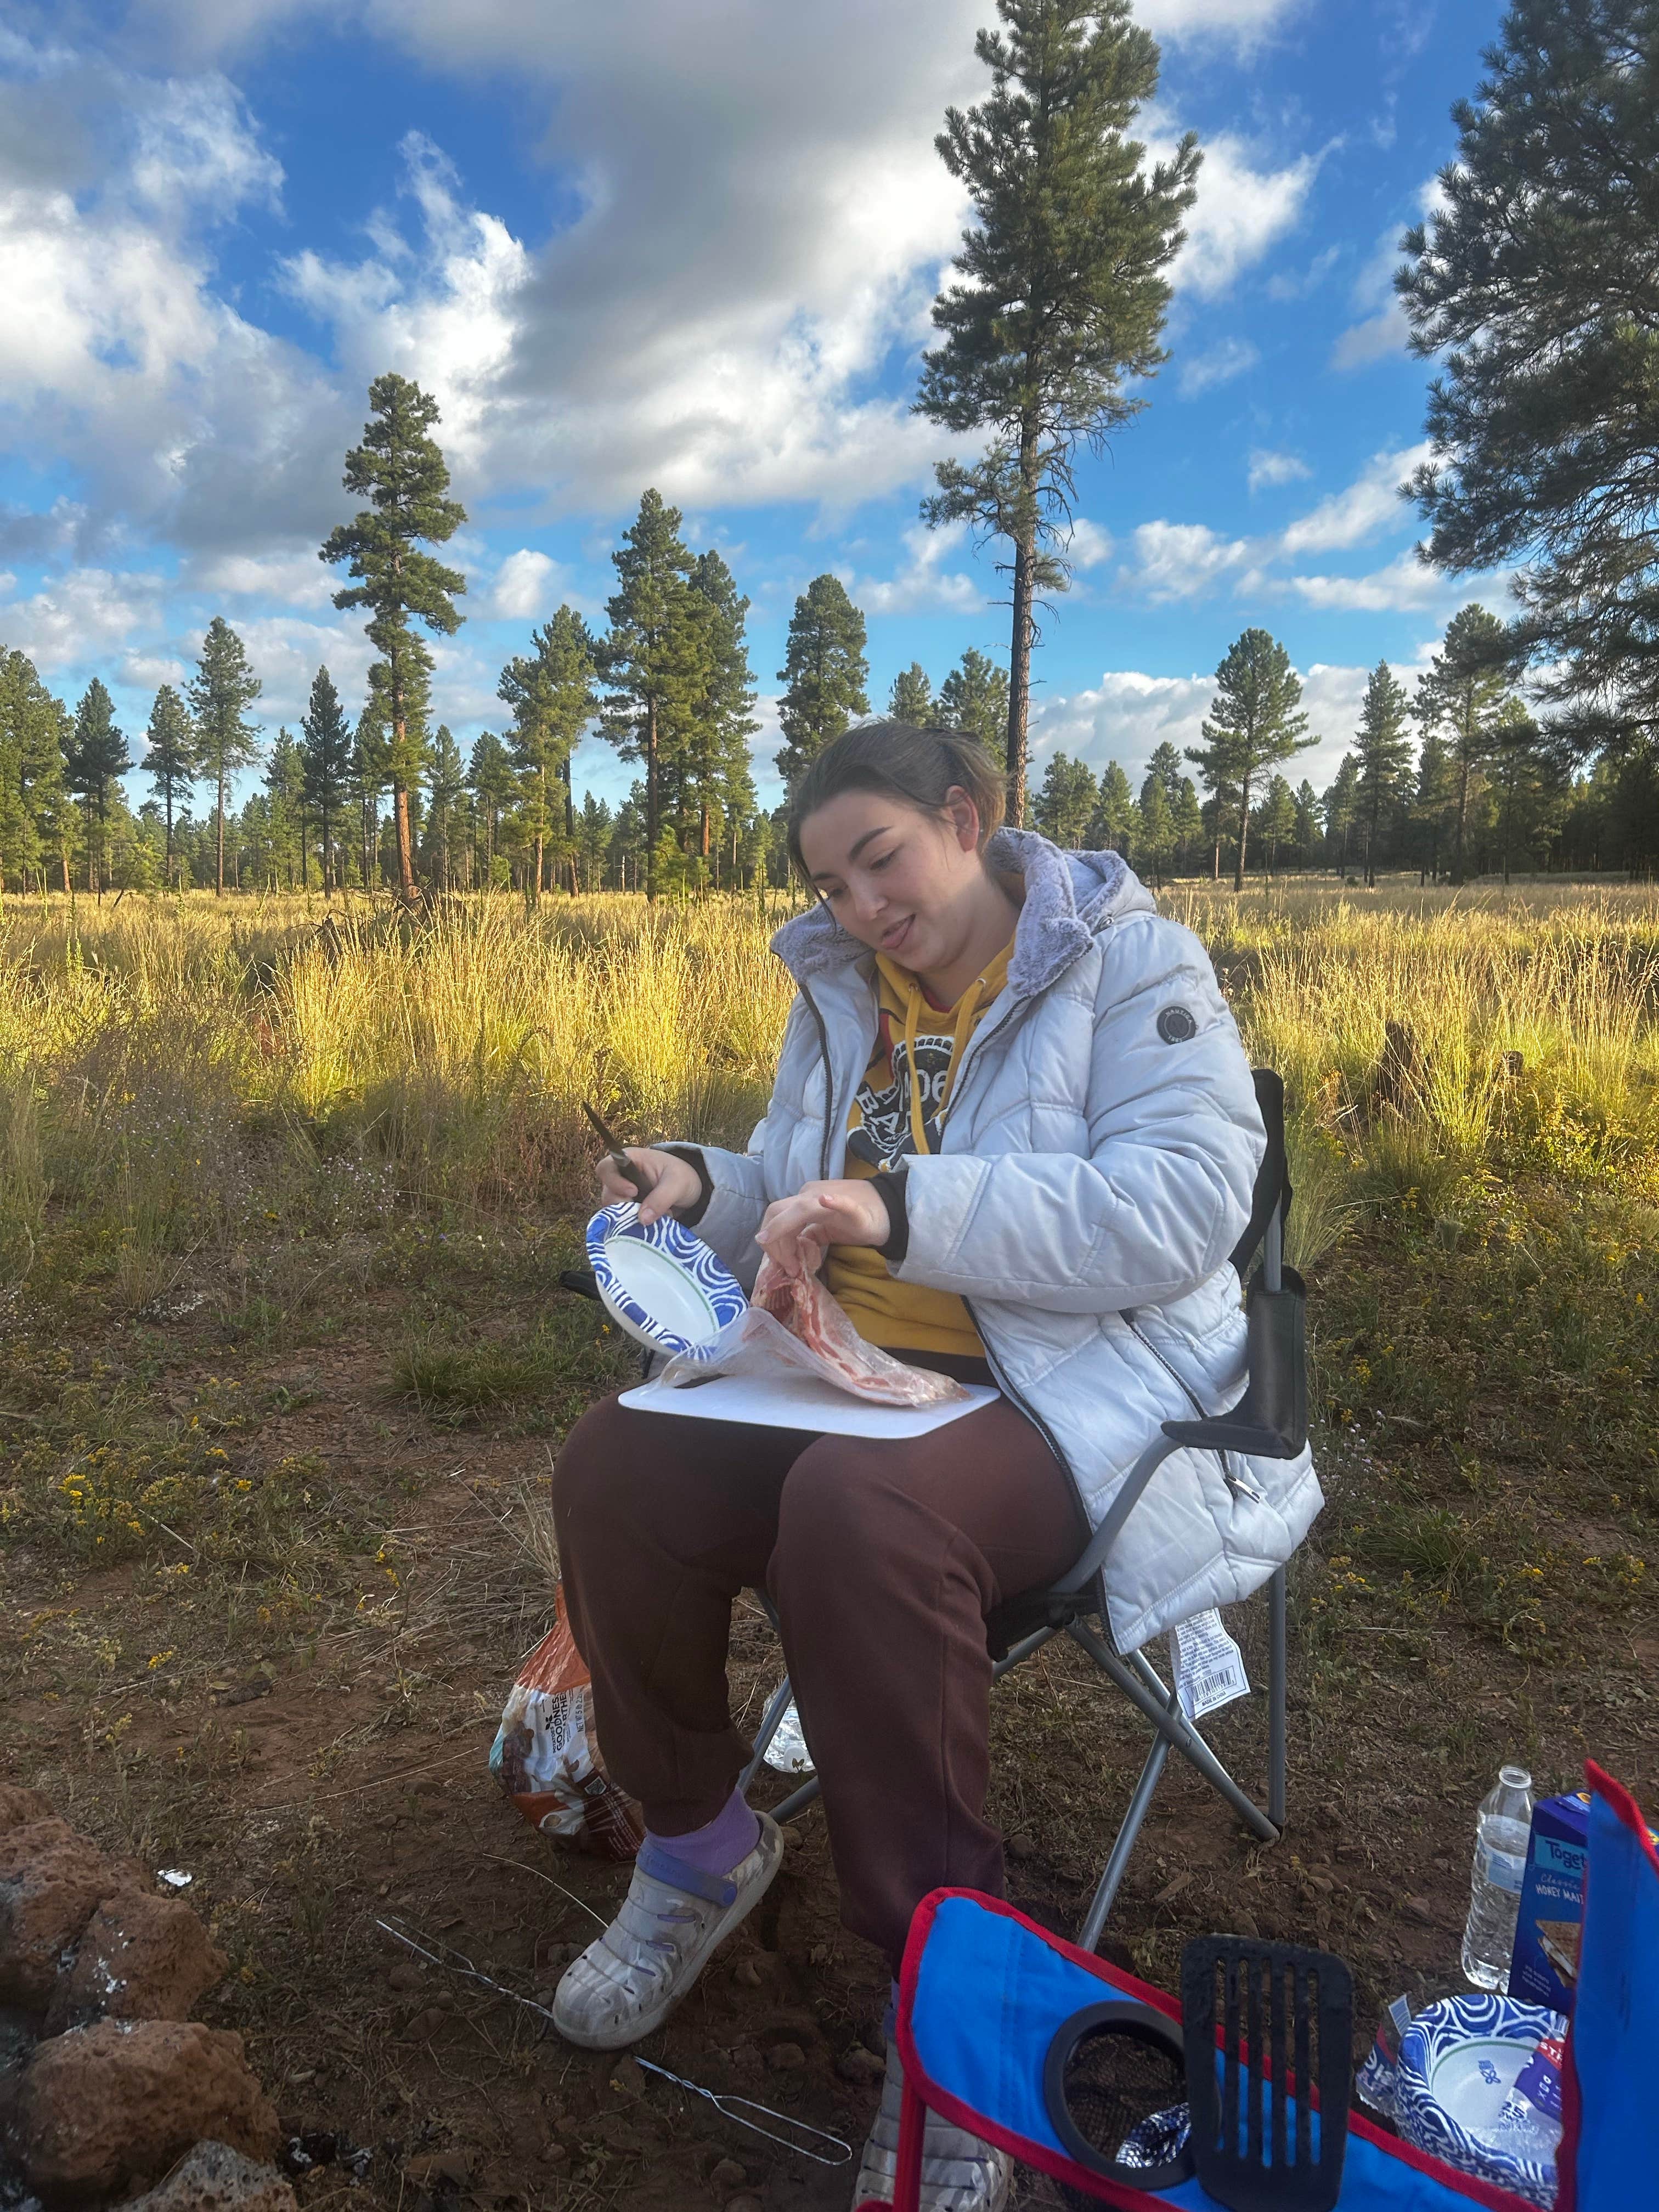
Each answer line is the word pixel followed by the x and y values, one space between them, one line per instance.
pixel 490 779
pixel 1277 821
pixel 35 736
pixel 222 688
pixel 911 699
pixel 1113 819
pixel 1341 810
pixel 1538 278
pixel 285 799
pixel 446 787
pixel 974 698
pixel 824 674
pixel 401 467
pixel 370 773
pixel 1462 693
pixel 652 660
pixel 1256 721
pixel 715 776
pixel 1065 289
pixel 1065 803
pixel 1155 835
pixel 327 765
pixel 1436 795
pixel 170 760
pixel 551 694
pixel 97 754
pixel 1384 747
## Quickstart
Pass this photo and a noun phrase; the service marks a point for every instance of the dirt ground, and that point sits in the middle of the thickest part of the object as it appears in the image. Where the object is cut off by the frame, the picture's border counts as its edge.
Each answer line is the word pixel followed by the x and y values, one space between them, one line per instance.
pixel 299 1718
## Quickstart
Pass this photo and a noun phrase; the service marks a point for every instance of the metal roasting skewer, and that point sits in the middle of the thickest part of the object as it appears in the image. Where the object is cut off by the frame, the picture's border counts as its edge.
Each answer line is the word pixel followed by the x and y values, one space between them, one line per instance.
pixel 456 1962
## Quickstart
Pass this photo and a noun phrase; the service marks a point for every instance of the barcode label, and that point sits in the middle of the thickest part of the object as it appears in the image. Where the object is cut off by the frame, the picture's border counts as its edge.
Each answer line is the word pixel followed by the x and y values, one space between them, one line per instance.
pixel 1209 1667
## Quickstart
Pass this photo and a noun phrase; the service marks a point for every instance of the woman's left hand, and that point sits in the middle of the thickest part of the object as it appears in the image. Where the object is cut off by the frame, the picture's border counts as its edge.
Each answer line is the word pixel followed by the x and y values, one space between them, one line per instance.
pixel 796 1231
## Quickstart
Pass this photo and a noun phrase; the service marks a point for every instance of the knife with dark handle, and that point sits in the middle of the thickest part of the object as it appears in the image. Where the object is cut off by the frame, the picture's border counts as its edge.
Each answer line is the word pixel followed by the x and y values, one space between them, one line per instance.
pixel 619 1159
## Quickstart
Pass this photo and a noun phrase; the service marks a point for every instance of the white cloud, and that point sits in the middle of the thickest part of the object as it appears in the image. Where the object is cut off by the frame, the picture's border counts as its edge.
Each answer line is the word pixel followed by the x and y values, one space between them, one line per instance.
pixel 1382 329
pixel 285 580
pixel 197 151
pixel 528 586
pixel 1201 371
pixel 1370 504
pixel 1406 583
pixel 922 583
pixel 1238 22
pixel 88 615
pixel 1271 468
pixel 1297 284
pixel 1089 543
pixel 1241 211
pixel 1179 560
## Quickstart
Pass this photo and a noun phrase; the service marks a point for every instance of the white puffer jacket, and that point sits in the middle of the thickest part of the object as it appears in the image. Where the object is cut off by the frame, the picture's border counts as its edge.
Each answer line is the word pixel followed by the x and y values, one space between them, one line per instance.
pixel 1095 1172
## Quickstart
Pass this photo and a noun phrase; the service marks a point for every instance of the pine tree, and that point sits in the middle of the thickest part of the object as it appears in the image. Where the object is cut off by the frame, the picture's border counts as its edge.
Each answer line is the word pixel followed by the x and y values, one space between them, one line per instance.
pixel 1066 804
pixel 1463 691
pixel 1277 820
pixel 974 698
pixel 1435 796
pixel 1188 819
pixel 1307 821
pixel 401 467
pixel 652 661
pixel 284 791
pixel 493 786
pixel 1165 764
pixel 911 699
pixel 1383 748
pixel 35 736
pixel 1341 807
pixel 1256 721
pixel 327 764
pixel 170 759
pixel 446 783
pixel 370 773
pixel 223 687
pixel 98 755
pixel 551 694
pixel 1535 280
pixel 1155 833
pixel 594 827
pixel 719 783
pixel 824 674
pixel 1115 811
pixel 1064 292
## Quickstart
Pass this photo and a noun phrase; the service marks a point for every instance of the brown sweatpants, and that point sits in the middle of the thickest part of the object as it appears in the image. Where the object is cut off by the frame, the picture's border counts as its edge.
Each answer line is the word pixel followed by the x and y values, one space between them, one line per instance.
pixel 882 1559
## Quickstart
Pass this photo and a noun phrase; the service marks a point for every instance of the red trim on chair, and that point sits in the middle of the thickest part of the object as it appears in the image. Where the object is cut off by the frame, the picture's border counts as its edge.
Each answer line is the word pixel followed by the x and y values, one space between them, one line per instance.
pixel 1055 2165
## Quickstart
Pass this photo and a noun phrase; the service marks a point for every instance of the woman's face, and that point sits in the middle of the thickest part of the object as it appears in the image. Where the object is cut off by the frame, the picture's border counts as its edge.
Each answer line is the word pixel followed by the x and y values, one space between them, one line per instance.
pixel 899 880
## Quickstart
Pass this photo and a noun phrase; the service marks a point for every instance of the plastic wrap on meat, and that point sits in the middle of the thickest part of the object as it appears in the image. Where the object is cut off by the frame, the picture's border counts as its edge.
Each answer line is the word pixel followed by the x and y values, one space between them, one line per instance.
pixel 792 1321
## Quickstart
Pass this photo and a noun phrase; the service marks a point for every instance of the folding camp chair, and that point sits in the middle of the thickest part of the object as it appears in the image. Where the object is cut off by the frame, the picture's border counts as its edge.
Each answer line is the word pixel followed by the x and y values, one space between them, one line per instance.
pixel 1269 1421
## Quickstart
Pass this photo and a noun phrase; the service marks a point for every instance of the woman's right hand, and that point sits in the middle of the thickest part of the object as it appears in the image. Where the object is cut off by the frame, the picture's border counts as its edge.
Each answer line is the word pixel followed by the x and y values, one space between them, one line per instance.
pixel 674 1183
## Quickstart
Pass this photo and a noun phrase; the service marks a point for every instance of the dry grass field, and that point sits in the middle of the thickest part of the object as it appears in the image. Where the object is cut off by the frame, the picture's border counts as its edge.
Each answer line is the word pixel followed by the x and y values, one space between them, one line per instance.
pixel 284 1197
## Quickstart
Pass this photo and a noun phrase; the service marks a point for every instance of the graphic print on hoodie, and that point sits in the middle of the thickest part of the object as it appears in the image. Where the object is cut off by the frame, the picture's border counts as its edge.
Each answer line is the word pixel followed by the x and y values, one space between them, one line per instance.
pixel 896 1114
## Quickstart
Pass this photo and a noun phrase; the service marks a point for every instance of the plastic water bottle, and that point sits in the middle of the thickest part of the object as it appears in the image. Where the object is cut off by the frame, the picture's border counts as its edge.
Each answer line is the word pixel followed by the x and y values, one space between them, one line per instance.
pixel 788 1752
pixel 1502 1827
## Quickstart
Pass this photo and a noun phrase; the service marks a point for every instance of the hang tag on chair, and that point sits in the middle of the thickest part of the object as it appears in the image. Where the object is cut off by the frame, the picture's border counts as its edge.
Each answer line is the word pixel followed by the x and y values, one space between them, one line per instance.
pixel 1209 1667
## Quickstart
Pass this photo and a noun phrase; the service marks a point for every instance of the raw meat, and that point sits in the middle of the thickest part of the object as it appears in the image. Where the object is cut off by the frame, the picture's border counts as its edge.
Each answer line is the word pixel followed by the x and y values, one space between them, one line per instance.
pixel 793 1321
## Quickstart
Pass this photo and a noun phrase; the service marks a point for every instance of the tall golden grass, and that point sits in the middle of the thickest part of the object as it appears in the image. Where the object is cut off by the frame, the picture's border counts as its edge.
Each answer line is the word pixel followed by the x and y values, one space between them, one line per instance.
pixel 176 1070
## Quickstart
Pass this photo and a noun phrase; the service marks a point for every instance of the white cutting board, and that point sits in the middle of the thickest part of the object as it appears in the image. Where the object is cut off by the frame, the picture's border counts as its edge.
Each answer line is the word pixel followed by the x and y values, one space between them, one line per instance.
pixel 801 1401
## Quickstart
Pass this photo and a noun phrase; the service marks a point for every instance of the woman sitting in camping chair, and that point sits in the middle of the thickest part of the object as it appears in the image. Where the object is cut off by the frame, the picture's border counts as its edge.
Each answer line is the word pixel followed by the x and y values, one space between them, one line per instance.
pixel 1014 1125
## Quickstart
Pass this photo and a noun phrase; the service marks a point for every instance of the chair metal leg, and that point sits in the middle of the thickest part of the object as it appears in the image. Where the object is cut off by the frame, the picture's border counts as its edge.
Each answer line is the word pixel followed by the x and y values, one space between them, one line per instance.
pixel 1278 1667
pixel 798 1801
pixel 1170 1720
pixel 1023 1651
pixel 1100 1904
pixel 776 1706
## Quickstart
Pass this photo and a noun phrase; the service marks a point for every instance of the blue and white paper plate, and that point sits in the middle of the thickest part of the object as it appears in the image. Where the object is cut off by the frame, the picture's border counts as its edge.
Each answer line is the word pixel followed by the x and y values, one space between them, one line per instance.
pixel 1458 2061
pixel 663 1285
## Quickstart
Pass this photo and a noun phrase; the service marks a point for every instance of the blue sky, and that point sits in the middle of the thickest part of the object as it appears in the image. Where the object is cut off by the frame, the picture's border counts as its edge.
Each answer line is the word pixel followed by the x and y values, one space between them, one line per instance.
pixel 689 243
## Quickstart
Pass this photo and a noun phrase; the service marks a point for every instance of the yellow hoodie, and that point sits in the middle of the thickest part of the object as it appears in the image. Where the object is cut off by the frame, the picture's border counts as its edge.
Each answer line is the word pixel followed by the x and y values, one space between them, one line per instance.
pixel 896 1114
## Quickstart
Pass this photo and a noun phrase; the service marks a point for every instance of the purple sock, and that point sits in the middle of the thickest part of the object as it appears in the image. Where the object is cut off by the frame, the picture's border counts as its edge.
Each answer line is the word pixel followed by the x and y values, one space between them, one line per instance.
pixel 715 1848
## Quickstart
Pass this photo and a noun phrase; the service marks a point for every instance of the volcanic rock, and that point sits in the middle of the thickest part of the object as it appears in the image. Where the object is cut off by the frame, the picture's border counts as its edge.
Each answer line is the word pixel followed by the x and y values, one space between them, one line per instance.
pixel 215 2179
pixel 141 1958
pixel 113 2105
pixel 19 1806
pixel 52 1881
